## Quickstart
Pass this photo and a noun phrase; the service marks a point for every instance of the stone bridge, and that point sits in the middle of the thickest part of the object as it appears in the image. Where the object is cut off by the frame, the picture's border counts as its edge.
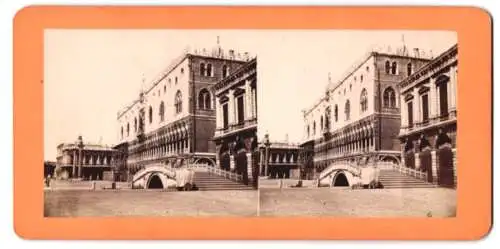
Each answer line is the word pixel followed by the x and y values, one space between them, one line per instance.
pixel 340 175
pixel 154 177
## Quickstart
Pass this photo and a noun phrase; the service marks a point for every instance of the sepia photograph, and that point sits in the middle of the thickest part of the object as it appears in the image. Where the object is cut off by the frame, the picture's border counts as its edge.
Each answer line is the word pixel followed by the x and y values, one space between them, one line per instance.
pixel 360 124
pixel 137 123
pixel 164 123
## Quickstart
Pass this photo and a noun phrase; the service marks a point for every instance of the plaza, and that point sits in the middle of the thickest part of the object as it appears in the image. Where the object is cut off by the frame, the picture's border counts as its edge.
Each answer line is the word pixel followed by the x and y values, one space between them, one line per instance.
pixel 343 202
pixel 78 203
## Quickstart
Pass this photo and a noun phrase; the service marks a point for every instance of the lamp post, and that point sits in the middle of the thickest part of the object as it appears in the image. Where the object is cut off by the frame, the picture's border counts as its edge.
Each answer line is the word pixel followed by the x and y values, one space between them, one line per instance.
pixel 80 155
pixel 267 144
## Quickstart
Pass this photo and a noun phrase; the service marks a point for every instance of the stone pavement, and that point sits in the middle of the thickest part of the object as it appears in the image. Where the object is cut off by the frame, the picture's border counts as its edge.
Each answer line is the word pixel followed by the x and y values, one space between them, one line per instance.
pixel 150 203
pixel 423 202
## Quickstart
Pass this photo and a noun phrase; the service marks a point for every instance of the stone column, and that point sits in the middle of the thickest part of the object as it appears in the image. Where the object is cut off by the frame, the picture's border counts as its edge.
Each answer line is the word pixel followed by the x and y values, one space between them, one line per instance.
pixel 452 92
pixel 218 113
pixel 248 100
pixel 82 161
pixel 231 108
pixel 417 161
pixel 404 114
pixel 254 106
pixel 433 97
pixel 250 168
pixel 232 164
pixel 416 106
pixel 73 172
pixel 434 166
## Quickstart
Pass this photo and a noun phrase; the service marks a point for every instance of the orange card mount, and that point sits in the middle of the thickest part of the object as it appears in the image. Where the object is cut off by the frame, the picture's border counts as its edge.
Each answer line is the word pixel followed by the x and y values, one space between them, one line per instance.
pixel 472 217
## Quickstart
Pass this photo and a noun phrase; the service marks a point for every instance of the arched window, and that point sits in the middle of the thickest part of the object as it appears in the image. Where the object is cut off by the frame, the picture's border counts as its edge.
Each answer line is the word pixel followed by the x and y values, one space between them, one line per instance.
pixel 122 132
pixel 150 114
pixel 176 79
pixel 164 88
pixel 308 131
pixel 135 124
pixel 336 113
pixel 224 71
pixel 209 70
pixel 128 129
pixel 327 118
pixel 364 100
pixel 361 78
pixel 314 128
pixel 409 69
pixel 387 67
pixel 162 111
pixel 204 101
pixel 394 67
pixel 389 98
pixel 347 110
pixel 321 123
pixel 202 69
pixel 178 102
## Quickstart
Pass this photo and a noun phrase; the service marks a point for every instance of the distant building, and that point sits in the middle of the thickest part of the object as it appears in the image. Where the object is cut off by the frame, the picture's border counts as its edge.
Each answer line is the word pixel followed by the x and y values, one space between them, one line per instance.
pixel 279 159
pixel 358 116
pixel 236 122
pixel 429 118
pixel 84 160
pixel 173 121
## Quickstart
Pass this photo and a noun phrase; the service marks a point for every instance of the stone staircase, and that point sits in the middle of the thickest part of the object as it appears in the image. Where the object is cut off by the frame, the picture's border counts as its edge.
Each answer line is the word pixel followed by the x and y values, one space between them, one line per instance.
pixel 205 181
pixel 391 178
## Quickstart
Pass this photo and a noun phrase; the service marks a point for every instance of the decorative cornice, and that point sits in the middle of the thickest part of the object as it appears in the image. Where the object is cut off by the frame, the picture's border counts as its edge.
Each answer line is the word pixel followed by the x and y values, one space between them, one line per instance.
pixel 246 70
pixel 436 65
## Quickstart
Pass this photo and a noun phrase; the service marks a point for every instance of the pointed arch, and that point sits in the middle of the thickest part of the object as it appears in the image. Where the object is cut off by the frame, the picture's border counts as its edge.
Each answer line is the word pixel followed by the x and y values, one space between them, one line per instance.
pixel 327 118
pixel 394 67
pixel 161 111
pixel 178 102
pixel 204 99
pixel 387 67
pixel 209 70
pixel 202 69
pixel 389 98
pixel 336 113
pixel 364 100
pixel 347 110
pixel 150 114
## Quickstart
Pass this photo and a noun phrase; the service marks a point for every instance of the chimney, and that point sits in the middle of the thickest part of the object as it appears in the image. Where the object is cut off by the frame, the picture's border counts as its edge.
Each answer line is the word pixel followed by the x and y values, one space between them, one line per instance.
pixel 231 53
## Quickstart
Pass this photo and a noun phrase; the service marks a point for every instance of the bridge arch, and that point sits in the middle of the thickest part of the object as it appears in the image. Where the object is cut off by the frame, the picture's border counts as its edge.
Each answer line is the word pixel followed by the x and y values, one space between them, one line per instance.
pixel 340 180
pixel 155 182
pixel 343 178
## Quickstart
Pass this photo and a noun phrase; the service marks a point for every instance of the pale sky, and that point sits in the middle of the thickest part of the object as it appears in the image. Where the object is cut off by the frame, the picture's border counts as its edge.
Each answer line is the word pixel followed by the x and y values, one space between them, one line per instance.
pixel 91 74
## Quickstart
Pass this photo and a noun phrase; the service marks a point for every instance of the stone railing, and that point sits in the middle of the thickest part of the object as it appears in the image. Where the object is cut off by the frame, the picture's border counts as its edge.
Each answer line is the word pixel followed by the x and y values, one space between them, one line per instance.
pixel 216 171
pixel 410 172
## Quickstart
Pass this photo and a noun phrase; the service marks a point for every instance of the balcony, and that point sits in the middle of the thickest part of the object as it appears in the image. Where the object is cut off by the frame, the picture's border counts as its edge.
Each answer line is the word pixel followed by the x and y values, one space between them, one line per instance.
pixel 235 127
